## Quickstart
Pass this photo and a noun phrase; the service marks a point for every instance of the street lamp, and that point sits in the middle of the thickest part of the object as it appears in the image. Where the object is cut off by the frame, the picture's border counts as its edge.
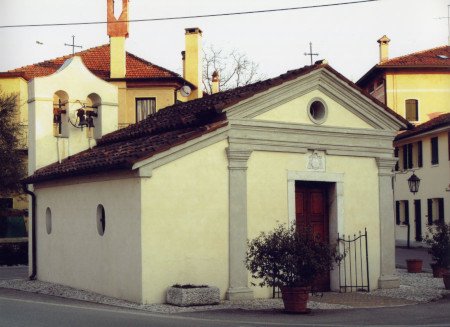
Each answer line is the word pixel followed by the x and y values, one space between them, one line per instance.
pixel 414 183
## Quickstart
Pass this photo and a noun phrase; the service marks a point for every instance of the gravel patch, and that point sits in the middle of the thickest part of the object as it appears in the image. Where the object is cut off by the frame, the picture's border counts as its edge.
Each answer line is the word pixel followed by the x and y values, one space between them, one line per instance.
pixel 420 287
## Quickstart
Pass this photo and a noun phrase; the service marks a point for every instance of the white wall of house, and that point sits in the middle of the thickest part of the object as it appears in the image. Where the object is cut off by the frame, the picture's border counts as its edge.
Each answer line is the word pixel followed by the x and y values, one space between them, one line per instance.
pixel 74 253
pixel 435 183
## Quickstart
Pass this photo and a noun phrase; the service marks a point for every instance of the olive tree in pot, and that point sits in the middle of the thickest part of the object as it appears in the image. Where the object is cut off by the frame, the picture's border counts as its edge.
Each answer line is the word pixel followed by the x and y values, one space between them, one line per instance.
pixel 290 258
pixel 439 241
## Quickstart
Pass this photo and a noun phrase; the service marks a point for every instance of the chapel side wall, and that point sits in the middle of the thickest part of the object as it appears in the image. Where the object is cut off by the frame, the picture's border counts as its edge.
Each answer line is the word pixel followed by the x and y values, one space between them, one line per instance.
pixel 431 90
pixel 268 198
pixel 185 223
pixel 74 253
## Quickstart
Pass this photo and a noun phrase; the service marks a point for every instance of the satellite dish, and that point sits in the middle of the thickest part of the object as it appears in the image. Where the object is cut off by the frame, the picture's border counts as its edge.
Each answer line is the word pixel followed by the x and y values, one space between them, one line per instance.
pixel 185 90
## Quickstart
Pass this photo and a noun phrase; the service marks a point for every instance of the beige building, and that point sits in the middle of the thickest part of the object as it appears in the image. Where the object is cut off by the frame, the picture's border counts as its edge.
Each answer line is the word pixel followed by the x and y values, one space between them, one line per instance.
pixel 174 198
pixel 143 87
pixel 417 87
pixel 424 150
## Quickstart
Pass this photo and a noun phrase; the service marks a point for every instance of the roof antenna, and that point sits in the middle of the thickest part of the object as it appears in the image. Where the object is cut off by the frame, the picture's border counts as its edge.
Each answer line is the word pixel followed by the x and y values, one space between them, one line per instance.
pixel 73 45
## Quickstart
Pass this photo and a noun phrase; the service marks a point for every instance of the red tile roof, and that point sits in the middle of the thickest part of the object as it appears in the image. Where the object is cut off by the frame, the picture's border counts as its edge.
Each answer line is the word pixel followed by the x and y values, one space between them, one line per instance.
pixel 435 58
pixel 169 127
pixel 97 60
pixel 433 124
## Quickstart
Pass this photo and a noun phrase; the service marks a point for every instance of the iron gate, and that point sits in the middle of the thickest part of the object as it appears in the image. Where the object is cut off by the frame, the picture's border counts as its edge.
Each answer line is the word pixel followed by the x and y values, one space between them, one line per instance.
pixel 354 267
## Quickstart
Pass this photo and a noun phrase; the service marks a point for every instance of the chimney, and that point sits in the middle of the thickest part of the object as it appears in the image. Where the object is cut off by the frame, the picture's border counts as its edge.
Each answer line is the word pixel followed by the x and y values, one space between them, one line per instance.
pixel 193 60
pixel 117 31
pixel 384 48
pixel 215 82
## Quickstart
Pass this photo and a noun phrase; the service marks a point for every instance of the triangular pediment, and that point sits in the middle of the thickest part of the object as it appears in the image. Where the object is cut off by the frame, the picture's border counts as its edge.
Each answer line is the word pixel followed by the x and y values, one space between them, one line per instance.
pixel 290 102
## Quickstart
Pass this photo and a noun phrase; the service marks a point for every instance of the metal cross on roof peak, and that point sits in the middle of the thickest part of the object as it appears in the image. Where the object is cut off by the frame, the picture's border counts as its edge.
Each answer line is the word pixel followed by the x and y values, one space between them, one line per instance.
pixel 73 45
pixel 311 54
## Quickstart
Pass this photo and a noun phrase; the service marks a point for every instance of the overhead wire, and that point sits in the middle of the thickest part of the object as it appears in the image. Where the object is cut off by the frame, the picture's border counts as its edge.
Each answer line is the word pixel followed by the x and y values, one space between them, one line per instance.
pixel 194 16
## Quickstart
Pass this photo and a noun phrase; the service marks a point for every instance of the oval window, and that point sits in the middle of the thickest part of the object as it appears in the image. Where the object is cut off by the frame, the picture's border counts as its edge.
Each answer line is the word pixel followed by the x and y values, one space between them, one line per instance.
pixel 317 111
pixel 101 219
pixel 48 220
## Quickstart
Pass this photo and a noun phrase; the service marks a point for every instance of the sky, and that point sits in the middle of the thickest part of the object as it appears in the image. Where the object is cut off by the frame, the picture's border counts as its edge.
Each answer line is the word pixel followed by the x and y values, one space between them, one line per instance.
pixel 346 35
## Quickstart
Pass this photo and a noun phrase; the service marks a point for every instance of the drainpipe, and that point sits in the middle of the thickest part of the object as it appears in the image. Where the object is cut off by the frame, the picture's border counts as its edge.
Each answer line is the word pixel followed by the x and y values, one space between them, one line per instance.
pixel 33 231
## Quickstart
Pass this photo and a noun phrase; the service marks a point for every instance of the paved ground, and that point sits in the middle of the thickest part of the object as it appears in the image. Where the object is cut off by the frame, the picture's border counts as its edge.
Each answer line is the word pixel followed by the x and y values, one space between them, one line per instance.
pixel 403 253
pixel 13 272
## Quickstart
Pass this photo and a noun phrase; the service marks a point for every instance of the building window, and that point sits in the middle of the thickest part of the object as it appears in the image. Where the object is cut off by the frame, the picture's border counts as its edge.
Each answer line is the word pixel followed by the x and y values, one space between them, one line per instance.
pixel 407 150
pixel 317 111
pixel 434 151
pixel 402 212
pixel 145 107
pixel 48 220
pixel 435 210
pixel 412 110
pixel 101 220
pixel 6 203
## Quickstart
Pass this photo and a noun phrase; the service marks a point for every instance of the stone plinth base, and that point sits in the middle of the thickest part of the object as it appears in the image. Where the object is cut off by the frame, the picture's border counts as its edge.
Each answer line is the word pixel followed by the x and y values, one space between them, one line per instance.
pixel 239 293
pixel 389 282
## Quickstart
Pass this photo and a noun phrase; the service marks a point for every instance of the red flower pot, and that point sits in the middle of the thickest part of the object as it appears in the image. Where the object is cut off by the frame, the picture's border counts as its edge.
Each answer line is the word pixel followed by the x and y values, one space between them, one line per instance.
pixel 414 265
pixel 438 271
pixel 295 299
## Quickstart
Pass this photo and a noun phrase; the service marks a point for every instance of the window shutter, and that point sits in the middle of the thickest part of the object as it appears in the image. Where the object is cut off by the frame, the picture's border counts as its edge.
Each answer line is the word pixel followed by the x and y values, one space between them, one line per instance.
pixel 405 156
pixel 441 209
pixel 397 212
pixel 406 212
pixel 410 155
pixel 430 211
pixel 396 155
pixel 434 151
pixel 419 154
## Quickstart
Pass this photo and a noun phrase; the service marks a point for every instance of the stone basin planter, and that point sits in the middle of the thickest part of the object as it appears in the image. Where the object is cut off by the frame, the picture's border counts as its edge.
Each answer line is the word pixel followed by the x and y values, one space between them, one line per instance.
pixel 190 295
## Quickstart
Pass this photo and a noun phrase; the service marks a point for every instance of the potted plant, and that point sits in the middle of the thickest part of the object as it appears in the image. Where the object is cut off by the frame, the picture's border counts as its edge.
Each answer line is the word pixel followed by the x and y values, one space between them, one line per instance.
pixel 290 258
pixel 414 265
pixel 439 241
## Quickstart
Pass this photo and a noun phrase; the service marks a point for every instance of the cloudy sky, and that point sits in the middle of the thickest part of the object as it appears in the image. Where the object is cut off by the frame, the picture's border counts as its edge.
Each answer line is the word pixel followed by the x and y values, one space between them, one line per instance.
pixel 345 35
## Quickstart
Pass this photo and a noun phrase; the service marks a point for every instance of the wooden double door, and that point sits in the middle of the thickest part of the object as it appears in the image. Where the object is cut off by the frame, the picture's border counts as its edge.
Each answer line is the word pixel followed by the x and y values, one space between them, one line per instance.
pixel 311 208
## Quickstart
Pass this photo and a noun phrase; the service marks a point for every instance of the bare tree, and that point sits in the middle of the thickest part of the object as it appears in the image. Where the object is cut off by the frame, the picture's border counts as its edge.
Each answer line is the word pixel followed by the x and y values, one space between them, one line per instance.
pixel 234 68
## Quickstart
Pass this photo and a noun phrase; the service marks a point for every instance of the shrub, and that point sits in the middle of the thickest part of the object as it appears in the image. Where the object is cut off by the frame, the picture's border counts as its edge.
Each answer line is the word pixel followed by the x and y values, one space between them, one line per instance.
pixel 440 243
pixel 289 256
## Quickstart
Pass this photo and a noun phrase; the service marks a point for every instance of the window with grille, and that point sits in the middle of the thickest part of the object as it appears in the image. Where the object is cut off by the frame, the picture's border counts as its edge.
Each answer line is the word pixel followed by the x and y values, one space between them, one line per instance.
pixel 435 210
pixel 402 212
pixel 412 110
pixel 145 107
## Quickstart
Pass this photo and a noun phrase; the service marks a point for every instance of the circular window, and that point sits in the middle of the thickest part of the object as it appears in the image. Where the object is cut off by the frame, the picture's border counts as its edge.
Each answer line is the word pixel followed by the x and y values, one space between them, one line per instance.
pixel 101 219
pixel 48 220
pixel 317 111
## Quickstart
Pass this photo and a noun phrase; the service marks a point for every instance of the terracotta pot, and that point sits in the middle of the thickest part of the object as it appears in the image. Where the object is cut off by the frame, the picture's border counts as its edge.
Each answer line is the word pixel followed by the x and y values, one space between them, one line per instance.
pixel 414 265
pixel 295 299
pixel 446 278
pixel 438 271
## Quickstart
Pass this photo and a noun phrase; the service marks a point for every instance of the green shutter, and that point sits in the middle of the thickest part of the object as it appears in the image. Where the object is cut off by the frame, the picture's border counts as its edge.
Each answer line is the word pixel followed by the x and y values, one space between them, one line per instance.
pixel 441 209
pixel 419 154
pixel 406 203
pixel 397 212
pixel 430 211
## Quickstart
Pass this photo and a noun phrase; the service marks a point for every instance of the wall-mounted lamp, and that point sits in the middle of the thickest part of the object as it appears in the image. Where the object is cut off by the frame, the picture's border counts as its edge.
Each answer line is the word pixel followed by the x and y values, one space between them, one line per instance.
pixel 414 183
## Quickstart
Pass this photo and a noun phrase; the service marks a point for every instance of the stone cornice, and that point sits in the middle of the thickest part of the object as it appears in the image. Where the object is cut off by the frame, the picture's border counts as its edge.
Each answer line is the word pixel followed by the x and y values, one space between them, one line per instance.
pixel 385 166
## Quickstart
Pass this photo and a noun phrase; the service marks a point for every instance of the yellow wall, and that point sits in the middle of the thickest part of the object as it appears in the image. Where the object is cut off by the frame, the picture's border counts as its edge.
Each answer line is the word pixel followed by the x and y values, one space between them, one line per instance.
pixel 17 85
pixel 268 198
pixel 127 100
pixel 295 111
pixel 185 216
pixel 432 91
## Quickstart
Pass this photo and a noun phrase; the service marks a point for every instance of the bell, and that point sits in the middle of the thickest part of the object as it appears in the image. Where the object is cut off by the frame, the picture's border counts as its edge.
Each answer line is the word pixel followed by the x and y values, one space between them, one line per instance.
pixel 90 122
pixel 82 119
